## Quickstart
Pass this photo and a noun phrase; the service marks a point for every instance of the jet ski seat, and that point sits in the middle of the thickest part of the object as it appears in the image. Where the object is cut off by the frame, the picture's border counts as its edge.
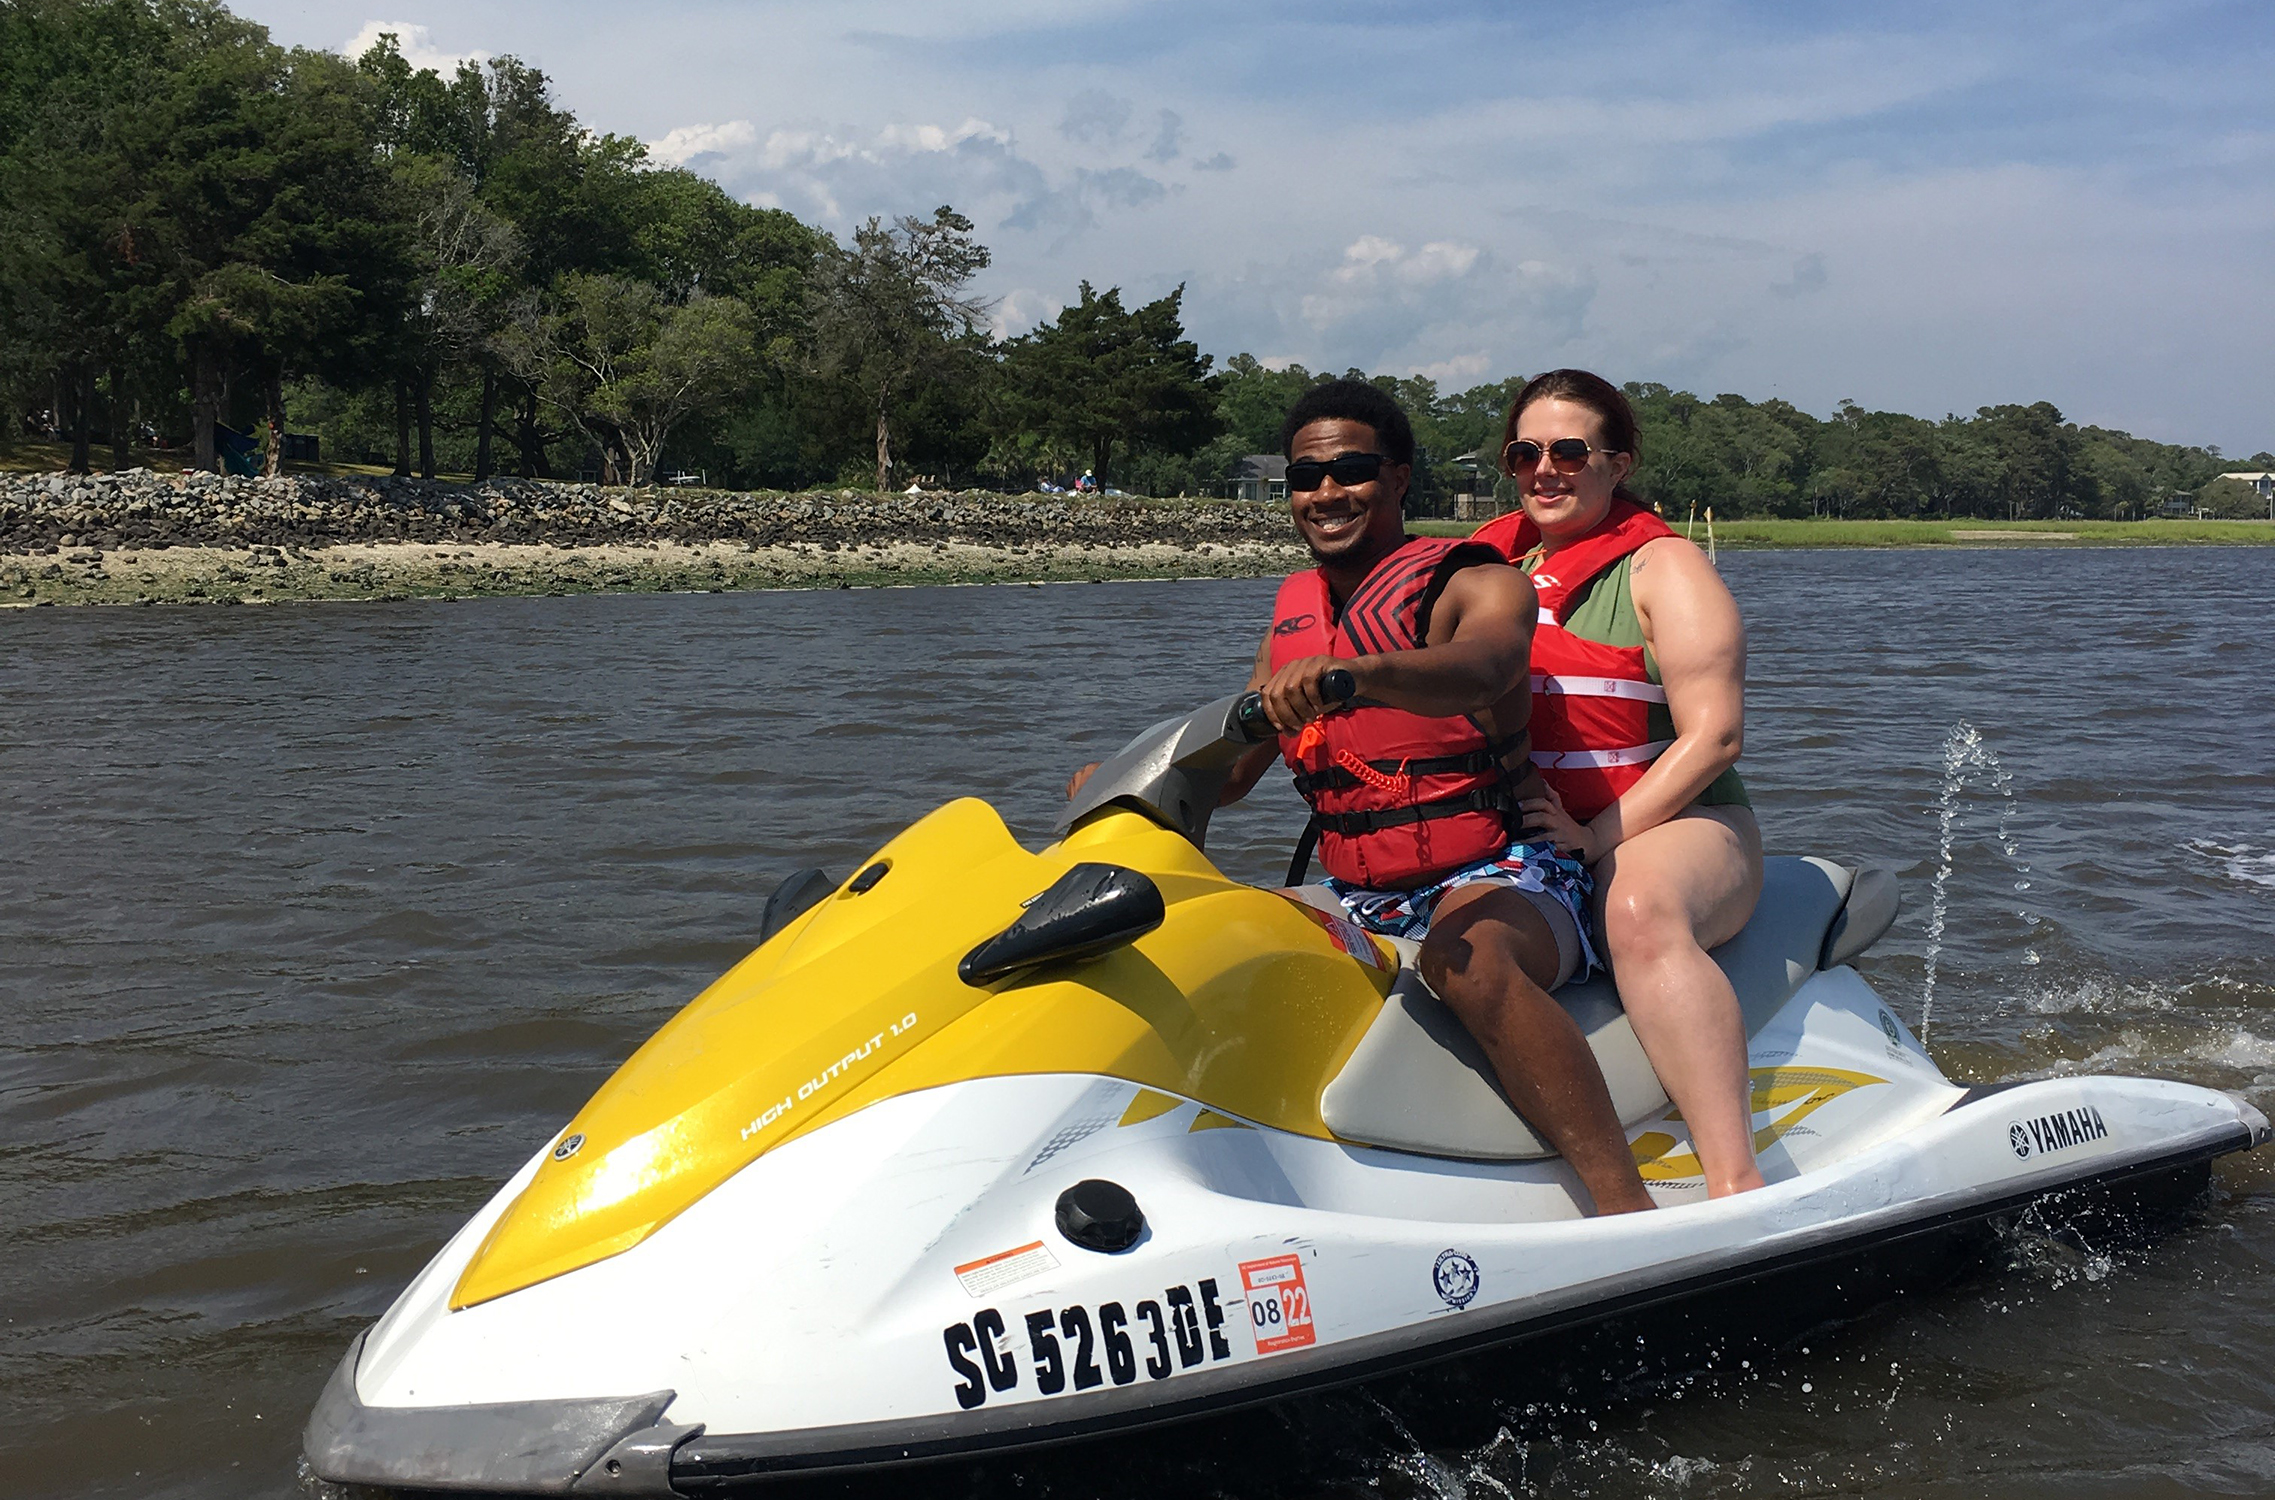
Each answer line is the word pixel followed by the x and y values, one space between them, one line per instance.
pixel 1418 1082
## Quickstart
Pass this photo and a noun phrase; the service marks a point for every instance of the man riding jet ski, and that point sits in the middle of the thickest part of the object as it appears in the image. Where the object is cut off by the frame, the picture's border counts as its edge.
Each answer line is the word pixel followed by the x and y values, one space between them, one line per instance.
pixel 1417 789
pixel 984 1148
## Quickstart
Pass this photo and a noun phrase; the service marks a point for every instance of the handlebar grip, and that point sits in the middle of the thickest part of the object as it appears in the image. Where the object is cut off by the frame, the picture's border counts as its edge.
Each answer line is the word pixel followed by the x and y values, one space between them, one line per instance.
pixel 1248 714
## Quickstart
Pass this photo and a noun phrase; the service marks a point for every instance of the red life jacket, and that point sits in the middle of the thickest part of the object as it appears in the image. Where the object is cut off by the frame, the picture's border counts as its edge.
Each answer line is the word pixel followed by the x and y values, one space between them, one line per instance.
pixel 1397 796
pixel 1591 703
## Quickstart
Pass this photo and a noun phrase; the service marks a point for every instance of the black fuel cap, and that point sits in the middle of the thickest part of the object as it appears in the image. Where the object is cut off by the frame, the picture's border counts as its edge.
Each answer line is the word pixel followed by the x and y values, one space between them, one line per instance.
pixel 1100 1215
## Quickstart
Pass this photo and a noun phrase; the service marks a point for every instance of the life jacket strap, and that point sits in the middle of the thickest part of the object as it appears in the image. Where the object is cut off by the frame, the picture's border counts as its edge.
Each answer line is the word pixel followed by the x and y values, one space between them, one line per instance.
pixel 1597 760
pixel 1353 824
pixel 1475 763
pixel 1598 687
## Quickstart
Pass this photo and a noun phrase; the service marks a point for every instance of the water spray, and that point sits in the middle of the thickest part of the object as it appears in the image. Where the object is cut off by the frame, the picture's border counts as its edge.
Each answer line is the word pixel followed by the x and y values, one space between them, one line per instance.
pixel 1966 758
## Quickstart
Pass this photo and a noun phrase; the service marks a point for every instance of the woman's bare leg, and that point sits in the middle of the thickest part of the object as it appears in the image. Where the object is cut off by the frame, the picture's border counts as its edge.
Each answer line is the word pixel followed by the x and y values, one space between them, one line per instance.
pixel 1667 895
pixel 1487 954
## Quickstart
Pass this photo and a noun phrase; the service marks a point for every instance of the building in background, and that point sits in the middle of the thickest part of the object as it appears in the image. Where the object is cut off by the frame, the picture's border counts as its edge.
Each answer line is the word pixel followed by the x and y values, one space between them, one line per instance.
pixel 1262 477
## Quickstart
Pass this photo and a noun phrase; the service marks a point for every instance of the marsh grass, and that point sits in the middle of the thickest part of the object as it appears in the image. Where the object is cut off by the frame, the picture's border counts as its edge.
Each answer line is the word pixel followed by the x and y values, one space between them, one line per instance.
pixel 1963 533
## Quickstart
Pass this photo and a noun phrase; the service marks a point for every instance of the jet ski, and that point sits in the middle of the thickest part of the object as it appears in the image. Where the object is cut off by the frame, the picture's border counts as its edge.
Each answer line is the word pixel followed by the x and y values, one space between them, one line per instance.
pixel 986 1148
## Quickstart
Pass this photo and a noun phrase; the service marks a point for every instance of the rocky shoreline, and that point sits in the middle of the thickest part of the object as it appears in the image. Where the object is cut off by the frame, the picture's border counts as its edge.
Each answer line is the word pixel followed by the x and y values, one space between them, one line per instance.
pixel 145 538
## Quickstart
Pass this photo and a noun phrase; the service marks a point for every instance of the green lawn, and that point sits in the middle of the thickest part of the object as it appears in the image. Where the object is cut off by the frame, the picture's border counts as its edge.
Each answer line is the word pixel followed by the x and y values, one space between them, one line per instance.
pixel 1745 534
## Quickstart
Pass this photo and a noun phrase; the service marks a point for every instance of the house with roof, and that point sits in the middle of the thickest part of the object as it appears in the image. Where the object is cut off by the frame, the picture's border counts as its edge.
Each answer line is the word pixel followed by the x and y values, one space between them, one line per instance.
pixel 1262 477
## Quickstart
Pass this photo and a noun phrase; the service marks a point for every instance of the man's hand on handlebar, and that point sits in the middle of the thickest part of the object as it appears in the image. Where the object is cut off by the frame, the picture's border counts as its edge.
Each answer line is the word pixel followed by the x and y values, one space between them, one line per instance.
pixel 1300 692
pixel 1074 782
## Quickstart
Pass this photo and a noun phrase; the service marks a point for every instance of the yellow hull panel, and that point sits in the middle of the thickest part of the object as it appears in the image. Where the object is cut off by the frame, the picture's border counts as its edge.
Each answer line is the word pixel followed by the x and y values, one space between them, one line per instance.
pixel 1240 1000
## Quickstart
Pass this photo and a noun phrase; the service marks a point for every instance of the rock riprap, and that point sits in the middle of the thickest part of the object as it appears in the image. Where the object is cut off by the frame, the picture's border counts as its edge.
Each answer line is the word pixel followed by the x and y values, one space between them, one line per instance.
pixel 142 509
pixel 144 538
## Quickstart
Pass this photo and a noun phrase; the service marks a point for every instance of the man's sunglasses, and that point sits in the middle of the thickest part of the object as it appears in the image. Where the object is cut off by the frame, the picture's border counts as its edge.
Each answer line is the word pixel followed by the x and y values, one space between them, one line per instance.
pixel 1565 455
pixel 1307 474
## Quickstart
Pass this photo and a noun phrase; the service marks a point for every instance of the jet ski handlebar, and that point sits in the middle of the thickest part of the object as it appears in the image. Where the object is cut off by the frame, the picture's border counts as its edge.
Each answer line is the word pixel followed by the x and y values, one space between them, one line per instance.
pixel 1175 771
pixel 1248 716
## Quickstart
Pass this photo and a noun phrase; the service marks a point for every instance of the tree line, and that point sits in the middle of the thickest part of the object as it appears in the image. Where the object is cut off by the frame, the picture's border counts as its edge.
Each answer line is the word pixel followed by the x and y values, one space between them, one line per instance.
pixel 211 241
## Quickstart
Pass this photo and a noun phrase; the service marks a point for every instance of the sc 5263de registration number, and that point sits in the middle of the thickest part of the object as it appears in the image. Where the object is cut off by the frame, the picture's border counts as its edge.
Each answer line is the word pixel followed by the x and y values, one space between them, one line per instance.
pixel 1159 1336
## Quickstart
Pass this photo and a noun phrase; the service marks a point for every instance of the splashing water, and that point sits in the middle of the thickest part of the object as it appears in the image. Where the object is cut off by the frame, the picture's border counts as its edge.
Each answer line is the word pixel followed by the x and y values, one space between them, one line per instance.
pixel 1966 759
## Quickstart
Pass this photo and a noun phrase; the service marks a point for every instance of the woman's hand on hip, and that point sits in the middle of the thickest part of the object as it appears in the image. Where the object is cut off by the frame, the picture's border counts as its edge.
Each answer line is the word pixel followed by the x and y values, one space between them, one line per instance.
pixel 1546 819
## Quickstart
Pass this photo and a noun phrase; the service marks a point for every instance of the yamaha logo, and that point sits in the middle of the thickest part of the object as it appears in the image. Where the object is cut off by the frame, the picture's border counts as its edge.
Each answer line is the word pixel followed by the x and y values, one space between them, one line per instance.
pixel 2058 1131
pixel 569 1147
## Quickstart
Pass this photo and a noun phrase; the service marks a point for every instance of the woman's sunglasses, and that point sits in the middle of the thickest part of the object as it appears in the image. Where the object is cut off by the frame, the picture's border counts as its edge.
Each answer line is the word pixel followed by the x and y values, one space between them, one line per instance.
pixel 1307 474
pixel 1565 455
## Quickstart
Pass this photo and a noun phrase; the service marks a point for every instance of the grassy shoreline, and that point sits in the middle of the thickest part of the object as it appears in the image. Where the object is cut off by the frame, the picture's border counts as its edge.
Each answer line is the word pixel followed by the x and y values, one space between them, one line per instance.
pixel 1809 534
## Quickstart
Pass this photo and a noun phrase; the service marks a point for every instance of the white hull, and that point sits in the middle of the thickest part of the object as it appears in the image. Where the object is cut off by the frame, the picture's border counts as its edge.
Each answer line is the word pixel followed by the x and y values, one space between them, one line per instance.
pixel 892 1286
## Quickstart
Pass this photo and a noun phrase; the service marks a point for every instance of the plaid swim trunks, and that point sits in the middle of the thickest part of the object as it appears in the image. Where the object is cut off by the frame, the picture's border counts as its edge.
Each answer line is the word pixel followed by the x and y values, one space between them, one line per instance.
pixel 1537 868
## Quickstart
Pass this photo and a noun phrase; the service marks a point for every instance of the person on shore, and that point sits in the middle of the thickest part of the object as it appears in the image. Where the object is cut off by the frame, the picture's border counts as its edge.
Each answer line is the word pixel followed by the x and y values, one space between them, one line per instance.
pixel 1638 717
pixel 1415 784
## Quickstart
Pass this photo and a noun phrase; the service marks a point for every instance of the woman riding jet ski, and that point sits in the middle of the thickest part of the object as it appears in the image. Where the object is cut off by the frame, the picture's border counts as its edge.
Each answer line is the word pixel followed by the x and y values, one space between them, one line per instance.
pixel 985 1148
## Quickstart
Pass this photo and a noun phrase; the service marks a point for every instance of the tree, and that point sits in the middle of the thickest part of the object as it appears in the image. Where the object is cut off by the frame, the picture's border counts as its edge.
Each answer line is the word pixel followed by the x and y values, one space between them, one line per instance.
pixel 626 366
pixel 2037 453
pixel 1100 375
pixel 467 261
pixel 72 77
pixel 570 197
pixel 259 207
pixel 890 309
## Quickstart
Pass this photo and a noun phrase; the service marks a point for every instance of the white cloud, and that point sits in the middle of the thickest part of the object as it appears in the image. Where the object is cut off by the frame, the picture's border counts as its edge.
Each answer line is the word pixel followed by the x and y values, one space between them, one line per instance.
pixel 1022 310
pixel 688 142
pixel 415 42
pixel 1363 254
pixel 1379 276
pixel 806 150
pixel 940 138
pixel 1459 372
pixel 1440 260
pixel 1450 309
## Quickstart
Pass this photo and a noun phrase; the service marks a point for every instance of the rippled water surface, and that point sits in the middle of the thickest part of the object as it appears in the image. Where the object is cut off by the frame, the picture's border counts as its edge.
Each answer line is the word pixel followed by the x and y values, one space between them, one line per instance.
pixel 315 919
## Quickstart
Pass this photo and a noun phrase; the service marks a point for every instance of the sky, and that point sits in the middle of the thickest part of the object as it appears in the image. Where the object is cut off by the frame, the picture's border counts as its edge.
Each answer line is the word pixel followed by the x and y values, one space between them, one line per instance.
pixel 1919 207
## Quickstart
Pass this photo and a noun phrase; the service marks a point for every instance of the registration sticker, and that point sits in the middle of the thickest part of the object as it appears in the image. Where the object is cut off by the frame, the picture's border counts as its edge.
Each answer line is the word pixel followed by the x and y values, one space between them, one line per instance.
pixel 1353 939
pixel 1005 1267
pixel 1279 1305
pixel 1346 935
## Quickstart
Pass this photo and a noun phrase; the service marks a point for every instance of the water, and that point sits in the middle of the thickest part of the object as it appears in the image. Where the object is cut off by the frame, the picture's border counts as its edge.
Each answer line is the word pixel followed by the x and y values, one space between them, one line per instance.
pixel 316 918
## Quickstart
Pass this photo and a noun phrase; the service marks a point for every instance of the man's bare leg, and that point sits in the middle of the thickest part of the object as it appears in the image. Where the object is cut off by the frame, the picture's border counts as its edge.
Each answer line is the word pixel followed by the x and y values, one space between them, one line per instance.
pixel 1487 954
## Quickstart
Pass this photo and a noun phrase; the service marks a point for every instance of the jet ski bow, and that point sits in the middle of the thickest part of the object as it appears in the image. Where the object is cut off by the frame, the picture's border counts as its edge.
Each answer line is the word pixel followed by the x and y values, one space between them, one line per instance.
pixel 985 1148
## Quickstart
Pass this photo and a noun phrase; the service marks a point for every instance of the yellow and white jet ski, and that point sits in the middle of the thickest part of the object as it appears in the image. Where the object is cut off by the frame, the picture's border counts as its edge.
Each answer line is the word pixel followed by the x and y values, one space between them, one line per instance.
pixel 985 1148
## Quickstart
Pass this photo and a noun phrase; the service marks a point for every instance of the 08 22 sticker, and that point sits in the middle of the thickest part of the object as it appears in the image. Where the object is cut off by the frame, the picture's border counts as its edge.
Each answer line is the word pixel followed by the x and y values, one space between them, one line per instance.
pixel 1279 1304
